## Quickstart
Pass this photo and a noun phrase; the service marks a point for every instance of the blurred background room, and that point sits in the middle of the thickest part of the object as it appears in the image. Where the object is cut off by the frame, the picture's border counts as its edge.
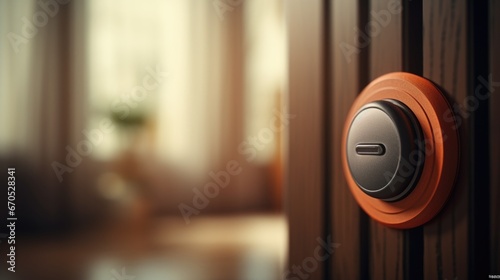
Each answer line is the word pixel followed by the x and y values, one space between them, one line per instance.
pixel 148 138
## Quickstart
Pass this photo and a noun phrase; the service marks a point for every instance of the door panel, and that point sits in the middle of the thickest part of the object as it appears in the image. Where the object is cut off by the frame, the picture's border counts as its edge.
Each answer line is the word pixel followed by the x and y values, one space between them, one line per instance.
pixel 306 182
pixel 347 75
pixel 445 56
pixel 453 43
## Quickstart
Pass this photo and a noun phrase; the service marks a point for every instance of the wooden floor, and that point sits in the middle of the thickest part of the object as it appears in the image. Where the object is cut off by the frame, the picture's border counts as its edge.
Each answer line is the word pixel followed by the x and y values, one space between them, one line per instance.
pixel 216 247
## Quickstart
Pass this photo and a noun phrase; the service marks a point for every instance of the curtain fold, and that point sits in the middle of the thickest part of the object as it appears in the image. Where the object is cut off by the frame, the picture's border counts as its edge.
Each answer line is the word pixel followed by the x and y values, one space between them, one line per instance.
pixel 36 105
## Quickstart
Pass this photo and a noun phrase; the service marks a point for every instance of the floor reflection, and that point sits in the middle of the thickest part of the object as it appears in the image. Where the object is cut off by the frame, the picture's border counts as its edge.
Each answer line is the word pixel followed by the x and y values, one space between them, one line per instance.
pixel 215 247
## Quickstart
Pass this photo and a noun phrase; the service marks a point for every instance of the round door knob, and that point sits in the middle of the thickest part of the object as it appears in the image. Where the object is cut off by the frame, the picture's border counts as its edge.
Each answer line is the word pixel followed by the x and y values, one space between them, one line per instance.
pixel 400 150
pixel 383 150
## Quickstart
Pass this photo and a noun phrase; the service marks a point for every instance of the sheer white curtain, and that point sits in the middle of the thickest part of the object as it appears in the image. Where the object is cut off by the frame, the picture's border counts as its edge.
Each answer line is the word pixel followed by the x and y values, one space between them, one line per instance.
pixel 18 95
pixel 39 108
pixel 188 111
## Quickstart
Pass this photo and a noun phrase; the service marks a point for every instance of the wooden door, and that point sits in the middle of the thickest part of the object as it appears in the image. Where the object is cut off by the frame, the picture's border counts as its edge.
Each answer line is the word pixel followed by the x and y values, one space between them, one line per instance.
pixel 335 49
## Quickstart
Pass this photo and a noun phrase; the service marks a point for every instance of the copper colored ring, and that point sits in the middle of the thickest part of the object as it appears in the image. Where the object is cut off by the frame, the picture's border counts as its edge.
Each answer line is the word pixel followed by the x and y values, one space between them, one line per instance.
pixel 440 134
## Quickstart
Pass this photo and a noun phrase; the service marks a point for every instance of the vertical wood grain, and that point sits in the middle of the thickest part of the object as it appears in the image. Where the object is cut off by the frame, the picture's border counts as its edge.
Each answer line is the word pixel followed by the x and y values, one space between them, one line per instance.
pixel 386 55
pixel 495 137
pixel 305 193
pixel 445 63
pixel 349 60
